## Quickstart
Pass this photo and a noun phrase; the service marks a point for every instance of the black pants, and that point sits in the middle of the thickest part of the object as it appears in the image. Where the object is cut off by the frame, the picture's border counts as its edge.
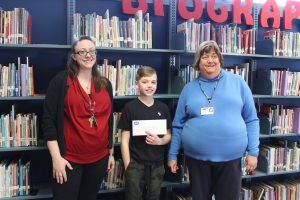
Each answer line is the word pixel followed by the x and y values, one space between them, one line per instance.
pixel 223 179
pixel 137 176
pixel 83 181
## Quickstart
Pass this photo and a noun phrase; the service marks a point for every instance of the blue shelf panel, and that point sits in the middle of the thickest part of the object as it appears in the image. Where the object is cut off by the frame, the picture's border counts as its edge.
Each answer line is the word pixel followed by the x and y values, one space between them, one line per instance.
pixel 102 49
pixel 31 148
pixel 34 46
pixel 262 174
pixel 40 97
pixel 111 191
pixel 44 192
pixel 278 135
pixel 258 96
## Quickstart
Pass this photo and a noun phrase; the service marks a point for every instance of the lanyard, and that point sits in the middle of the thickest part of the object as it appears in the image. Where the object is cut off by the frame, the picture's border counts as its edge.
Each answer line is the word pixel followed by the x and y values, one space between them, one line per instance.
pixel 209 98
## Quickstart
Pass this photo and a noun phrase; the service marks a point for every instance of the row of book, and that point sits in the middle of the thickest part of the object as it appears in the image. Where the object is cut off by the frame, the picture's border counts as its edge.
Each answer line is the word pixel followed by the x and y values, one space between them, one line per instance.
pixel 276 119
pixel 14 177
pixel 115 178
pixel 112 32
pixel 283 81
pixel 121 77
pixel 282 156
pixel 16 79
pixel 272 190
pixel 230 38
pixel 188 73
pixel 15 26
pixel 285 43
pixel 18 130
pixel 116 131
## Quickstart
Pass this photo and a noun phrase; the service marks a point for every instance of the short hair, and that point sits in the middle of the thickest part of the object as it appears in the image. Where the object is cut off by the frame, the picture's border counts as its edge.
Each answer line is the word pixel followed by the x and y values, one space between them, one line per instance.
pixel 206 47
pixel 144 71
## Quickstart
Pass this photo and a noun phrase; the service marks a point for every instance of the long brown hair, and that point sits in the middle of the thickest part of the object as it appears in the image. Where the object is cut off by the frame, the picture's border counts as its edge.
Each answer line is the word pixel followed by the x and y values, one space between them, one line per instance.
pixel 73 67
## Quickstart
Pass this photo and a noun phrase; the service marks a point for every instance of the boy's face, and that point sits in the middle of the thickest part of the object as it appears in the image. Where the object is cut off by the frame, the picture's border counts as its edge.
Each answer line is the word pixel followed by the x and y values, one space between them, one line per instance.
pixel 147 85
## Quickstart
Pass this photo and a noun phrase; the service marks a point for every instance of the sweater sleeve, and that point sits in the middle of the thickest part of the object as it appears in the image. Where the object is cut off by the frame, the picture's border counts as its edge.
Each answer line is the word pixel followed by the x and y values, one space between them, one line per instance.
pixel 177 126
pixel 49 118
pixel 111 120
pixel 252 123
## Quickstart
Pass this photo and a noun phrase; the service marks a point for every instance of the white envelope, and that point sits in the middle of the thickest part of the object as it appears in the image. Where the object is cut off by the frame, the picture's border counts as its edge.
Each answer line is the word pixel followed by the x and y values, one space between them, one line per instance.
pixel 158 126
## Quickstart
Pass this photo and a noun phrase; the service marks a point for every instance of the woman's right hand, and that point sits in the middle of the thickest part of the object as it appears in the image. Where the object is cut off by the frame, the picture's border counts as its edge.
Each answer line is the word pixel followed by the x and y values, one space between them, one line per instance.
pixel 173 165
pixel 59 165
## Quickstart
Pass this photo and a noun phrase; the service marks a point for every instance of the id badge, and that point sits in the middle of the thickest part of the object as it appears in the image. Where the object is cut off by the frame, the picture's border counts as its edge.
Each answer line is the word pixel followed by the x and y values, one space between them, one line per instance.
pixel 207 111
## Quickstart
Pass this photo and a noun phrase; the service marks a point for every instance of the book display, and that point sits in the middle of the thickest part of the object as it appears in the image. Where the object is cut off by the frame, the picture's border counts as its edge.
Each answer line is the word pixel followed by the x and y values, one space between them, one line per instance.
pixel 35 39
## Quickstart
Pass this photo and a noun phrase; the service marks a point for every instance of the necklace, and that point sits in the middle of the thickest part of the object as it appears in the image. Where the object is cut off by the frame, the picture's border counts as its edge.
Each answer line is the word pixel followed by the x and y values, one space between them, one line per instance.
pixel 91 118
pixel 209 98
pixel 87 89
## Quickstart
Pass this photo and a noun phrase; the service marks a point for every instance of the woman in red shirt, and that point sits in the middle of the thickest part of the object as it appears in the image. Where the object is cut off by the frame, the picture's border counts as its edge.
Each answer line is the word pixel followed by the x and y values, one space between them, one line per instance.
pixel 77 125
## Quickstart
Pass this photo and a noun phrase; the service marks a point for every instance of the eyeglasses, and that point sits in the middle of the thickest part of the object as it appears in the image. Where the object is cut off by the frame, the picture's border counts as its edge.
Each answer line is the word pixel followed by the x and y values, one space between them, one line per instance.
pixel 84 52
pixel 213 57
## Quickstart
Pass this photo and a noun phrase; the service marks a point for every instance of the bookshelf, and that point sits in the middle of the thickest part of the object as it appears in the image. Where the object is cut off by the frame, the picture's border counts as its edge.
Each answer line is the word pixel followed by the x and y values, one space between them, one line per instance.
pixel 51 39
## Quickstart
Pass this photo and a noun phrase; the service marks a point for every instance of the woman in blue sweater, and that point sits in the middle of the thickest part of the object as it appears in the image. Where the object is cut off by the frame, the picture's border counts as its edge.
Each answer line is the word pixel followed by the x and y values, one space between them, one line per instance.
pixel 216 124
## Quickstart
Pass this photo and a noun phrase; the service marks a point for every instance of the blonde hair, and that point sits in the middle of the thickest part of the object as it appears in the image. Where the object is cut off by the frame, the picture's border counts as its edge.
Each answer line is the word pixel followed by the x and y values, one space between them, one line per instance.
pixel 206 47
pixel 144 71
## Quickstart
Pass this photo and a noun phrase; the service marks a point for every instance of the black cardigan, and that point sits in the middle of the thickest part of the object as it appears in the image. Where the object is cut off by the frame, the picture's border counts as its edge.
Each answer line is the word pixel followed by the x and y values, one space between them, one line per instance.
pixel 53 114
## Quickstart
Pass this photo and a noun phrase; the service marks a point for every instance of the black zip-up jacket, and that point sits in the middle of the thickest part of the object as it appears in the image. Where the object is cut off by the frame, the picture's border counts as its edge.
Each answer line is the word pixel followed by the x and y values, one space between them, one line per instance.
pixel 53 114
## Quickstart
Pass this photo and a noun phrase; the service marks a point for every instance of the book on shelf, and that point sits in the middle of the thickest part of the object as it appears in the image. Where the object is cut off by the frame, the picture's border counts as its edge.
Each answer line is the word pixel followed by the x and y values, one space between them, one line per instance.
pixel 296 123
pixel 116 131
pixel 15 179
pixel 15 26
pixel 17 79
pixel 18 129
pixel 246 193
pixel 271 190
pixel 279 156
pixel 258 192
pixel 284 43
pixel 283 82
pixel 110 31
pixel 241 69
pixel 121 77
pixel 115 178
pixel 276 119
pixel 229 37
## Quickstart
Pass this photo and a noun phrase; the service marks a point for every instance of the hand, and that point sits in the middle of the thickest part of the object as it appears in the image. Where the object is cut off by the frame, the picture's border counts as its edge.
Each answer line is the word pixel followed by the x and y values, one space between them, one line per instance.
pixel 173 165
pixel 59 169
pixel 111 163
pixel 153 139
pixel 250 163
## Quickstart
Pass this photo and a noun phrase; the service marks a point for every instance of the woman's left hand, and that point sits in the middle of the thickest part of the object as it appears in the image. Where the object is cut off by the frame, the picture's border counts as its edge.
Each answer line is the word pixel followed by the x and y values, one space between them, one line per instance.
pixel 111 163
pixel 250 163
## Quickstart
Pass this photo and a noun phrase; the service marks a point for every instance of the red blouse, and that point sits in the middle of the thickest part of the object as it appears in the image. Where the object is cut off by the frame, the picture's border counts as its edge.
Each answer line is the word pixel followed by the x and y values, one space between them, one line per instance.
pixel 85 144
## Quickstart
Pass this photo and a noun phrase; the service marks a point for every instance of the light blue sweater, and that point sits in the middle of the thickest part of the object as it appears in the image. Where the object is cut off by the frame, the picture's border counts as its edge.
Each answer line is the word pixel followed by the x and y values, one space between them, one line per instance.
pixel 226 135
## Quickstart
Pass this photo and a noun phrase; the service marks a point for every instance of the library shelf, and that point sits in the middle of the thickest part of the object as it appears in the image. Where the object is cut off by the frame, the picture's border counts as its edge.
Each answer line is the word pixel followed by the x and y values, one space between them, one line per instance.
pixel 20 149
